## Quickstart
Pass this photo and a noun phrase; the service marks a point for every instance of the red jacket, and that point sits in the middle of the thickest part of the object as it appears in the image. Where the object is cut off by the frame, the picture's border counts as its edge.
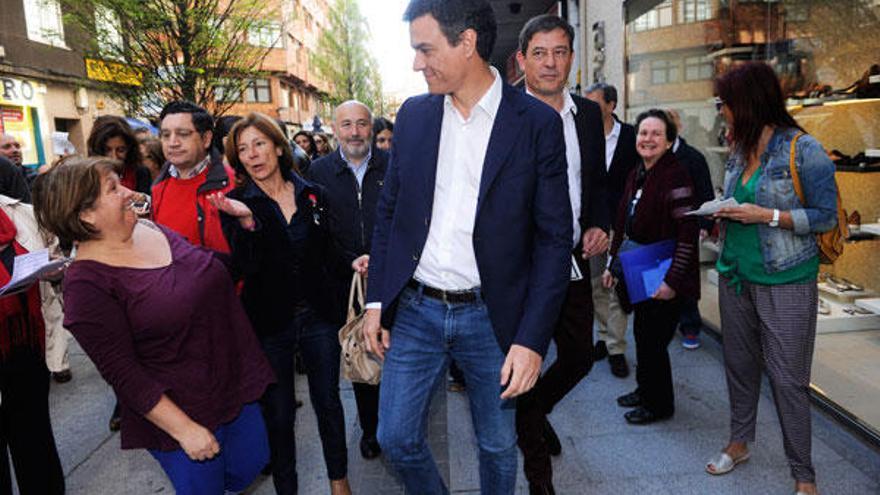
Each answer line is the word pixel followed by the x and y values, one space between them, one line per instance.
pixel 219 178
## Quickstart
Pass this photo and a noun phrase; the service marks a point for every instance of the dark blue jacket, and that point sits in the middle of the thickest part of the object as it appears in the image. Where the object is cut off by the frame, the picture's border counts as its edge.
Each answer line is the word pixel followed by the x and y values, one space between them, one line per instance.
pixel 354 211
pixel 276 278
pixel 523 226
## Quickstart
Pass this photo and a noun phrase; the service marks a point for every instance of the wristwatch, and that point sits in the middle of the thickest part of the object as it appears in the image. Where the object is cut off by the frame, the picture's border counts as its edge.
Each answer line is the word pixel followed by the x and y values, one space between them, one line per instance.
pixel 775 221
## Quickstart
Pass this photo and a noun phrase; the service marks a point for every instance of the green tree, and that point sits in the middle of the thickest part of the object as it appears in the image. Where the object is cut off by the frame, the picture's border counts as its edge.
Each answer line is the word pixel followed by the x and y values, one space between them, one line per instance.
pixel 153 51
pixel 342 58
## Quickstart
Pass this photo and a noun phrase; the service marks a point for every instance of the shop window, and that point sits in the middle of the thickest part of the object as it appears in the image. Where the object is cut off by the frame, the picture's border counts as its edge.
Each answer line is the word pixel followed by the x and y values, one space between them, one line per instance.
pixel 267 35
pixel 698 68
pixel 664 71
pixel 44 22
pixel 694 11
pixel 258 91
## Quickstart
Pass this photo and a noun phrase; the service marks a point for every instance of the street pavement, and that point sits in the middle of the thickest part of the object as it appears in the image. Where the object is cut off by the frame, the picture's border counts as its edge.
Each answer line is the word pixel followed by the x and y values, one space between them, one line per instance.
pixel 601 454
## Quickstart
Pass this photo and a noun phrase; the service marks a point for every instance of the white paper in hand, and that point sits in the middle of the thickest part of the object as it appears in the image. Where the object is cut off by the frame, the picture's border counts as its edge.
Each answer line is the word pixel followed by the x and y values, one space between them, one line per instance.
pixel 28 268
pixel 712 207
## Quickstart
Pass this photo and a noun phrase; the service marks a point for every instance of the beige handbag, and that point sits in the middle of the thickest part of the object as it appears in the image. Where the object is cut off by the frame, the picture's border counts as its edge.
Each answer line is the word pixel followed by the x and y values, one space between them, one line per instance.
pixel 358 365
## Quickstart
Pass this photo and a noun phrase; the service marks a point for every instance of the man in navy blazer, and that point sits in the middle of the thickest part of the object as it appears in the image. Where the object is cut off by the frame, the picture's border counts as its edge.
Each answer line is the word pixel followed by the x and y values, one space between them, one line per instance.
pixel 471 252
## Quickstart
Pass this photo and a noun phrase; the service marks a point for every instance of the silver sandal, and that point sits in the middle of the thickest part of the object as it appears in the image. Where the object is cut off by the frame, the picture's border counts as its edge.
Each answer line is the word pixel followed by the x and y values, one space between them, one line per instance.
pixel 724 464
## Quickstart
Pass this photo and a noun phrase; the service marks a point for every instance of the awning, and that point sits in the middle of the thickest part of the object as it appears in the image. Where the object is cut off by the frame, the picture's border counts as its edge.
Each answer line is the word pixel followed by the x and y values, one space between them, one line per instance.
pixel 140 124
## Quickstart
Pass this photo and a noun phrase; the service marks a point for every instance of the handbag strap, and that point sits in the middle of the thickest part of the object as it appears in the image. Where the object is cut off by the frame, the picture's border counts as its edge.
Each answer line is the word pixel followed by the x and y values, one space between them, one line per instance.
pixel 795 178
pixel 356 290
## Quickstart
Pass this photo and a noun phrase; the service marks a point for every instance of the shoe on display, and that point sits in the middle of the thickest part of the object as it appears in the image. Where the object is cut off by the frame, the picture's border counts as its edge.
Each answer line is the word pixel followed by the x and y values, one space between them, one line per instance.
pixel 691 342
pixel 618 365
pixel 600 352
pixel 554 446
pixel 824 307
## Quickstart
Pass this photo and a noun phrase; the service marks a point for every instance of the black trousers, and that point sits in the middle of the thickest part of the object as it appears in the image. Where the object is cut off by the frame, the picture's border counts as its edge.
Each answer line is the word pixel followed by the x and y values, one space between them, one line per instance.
pixel 574 359
pixel 653 326
pixel 366 397
pixel 25 428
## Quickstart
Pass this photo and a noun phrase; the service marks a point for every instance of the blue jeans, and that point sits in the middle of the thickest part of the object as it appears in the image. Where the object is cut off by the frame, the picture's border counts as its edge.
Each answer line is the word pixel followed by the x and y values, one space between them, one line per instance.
pixel 428 332
pixel 244 450
pixel 317 340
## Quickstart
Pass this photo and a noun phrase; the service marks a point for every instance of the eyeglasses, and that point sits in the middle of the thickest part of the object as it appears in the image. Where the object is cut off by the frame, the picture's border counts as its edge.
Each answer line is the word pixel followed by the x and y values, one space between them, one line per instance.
pixel 718 104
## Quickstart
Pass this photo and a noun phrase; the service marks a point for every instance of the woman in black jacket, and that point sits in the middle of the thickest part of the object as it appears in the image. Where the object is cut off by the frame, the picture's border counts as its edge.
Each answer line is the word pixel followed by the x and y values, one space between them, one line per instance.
pixel 275 223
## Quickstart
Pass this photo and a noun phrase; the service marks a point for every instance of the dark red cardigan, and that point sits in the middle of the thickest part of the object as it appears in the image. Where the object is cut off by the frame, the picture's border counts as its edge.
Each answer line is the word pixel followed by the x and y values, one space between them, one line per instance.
pixel 667 195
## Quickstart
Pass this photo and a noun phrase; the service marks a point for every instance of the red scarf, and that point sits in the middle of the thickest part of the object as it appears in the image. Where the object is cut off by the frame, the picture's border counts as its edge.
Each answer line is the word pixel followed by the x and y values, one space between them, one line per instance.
pixel 21 322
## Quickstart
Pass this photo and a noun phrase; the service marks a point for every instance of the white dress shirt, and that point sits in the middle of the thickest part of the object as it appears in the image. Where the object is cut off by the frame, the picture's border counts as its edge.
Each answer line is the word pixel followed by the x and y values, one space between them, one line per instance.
pixel 611 144
pixel 572 158
pixel 448 260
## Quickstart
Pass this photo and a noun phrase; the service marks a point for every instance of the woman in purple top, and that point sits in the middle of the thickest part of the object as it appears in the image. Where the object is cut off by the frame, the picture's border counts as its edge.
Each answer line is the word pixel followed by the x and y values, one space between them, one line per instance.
pixel 162 323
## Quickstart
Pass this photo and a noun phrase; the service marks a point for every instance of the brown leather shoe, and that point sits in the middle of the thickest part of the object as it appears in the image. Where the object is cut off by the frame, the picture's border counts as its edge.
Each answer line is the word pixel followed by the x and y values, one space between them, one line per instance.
pixel 340 487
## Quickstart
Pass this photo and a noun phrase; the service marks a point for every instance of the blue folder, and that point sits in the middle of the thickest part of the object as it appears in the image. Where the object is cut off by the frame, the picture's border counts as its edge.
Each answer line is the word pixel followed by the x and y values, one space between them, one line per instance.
pixel 644 268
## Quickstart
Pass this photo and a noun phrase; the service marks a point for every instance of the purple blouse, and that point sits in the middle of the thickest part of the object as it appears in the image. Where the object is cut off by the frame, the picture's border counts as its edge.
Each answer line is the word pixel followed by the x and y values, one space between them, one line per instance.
pixel 178 330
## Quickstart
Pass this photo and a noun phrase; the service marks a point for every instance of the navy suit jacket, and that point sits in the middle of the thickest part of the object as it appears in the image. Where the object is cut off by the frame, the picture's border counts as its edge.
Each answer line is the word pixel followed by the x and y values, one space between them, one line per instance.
pixel 523 226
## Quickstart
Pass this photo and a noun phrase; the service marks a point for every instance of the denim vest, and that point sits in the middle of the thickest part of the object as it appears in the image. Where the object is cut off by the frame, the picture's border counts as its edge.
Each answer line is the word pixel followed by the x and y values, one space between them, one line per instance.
pixel 782 248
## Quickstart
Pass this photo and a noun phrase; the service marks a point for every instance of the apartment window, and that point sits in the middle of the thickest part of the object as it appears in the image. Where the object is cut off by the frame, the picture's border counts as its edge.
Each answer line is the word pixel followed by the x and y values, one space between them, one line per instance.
pixel 227 91
pixel 664 71
pixel 694 11
pixel 267 35
pixel 44 22
pixel 658 17
pixel 258 91
pixel 697 68
pixel 108 37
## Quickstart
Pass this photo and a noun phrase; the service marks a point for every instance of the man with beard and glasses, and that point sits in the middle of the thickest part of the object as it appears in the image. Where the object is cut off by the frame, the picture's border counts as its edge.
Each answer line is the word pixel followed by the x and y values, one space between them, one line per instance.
pixel 352 177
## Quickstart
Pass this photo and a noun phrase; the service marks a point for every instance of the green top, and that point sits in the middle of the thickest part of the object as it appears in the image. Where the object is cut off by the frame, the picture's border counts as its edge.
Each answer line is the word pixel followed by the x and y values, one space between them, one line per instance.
pixel 742 258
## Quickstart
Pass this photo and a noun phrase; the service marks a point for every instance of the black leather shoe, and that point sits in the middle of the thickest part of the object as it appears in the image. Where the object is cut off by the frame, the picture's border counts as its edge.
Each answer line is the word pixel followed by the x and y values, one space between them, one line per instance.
pixel 541 488
pixel 631 399
pixel 642 416
pixel 601 351
pixel 554 446
pixel 62 376
pixel 370 448
pixel 618 365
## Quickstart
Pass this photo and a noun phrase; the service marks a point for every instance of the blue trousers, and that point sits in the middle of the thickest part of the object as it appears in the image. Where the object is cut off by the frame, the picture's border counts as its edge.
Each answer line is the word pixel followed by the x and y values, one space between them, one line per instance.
pixel 244 451
pixel 426 334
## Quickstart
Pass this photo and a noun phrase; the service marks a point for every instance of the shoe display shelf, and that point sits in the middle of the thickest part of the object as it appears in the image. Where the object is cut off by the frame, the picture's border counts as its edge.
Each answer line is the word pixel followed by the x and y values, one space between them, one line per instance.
pixel 838 320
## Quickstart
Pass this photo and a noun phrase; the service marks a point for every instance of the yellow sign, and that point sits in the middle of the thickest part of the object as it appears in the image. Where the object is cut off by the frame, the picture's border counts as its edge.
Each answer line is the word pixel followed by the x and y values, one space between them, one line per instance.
pixel 100 70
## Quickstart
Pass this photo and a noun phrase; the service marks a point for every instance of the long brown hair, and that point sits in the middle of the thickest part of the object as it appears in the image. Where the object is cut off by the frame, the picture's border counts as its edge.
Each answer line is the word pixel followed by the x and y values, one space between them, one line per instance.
pixel 754 96
pixel 267 126
pixel 110 126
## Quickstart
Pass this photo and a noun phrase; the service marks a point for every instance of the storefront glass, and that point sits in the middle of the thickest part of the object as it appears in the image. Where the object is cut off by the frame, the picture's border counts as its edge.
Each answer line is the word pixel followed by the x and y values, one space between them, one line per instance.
pixel 826 53
pixel 19 116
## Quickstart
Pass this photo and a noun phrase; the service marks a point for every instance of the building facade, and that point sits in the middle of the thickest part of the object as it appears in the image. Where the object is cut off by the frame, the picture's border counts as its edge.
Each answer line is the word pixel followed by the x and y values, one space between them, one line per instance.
pixel 46 98
pixel 291 90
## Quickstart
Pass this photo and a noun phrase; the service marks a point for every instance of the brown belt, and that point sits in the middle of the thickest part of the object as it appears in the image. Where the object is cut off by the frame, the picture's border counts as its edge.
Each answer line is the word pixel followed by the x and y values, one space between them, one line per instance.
pixel 447 296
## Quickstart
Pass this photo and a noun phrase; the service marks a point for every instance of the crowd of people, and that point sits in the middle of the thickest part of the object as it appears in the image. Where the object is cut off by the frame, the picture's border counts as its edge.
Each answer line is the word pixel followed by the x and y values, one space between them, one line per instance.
pixel 487 221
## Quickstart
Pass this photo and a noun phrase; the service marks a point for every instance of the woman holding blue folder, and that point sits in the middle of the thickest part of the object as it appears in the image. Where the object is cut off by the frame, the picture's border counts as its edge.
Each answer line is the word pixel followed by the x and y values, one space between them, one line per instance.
pixel 658 193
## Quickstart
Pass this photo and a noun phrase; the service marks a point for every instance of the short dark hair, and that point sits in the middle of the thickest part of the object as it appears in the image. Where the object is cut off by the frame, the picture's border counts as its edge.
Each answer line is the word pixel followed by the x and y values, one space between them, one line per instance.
pixel 671 130
pixel 202 120
pixel 456 17
pixel 754 96
pixel 269 127
pixel 107 127
pixel 609 92
pixel 544 23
